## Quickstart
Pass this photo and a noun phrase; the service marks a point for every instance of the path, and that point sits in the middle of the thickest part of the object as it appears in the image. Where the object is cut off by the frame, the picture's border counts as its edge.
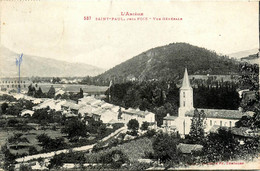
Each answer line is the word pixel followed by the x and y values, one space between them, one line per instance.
pixel 76 149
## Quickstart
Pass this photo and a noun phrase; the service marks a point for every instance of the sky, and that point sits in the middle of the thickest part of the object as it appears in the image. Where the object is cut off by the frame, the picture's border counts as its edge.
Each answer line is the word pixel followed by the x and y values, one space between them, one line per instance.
pixel 57 29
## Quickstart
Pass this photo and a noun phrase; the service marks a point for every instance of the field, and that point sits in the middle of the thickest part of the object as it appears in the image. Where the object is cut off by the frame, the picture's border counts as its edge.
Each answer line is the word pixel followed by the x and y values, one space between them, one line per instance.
pixel 71 87
pixel 30 135
pixel 134 150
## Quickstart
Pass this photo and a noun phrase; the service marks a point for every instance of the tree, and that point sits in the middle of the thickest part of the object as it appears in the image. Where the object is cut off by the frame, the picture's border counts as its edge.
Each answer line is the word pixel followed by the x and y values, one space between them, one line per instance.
pixel 31 90
pixel 144 126
pixel 133 125
pixel 165 147
pixel 220 146
pixel 250 122
pixel 81 93
pixel 196 134
pixel 4 107
pixel 115 158
pixel 49 144
pixel 56 161
pixel 51 92
pixel 75 128
pixel 39 93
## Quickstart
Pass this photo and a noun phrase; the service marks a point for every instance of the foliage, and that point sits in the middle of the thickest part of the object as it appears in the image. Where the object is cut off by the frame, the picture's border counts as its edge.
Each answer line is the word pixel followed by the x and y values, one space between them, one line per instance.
pixel 17 138
pixel 250 79
pixel 39 93
pixel 6 97
pixel 9 158
pixel 150 133
pixel 165 147
pixel 249 76
pixel 196 135
pixel 250 122
pixel 162 97
pixel 49 144
pixel 12 123
pixel 51 92
pixel 25 168
pixel 75 128
pixel 220 146
pixel 137 166
pixel 220 96
pixel 115 158
pixel 56 80
pixel 31 90
pixel 46 116
pixel 56 161
pixel 133 149
pixel 133 125
pixel 144 126
pixel 32 150
pixel 167 63
pixel 4 106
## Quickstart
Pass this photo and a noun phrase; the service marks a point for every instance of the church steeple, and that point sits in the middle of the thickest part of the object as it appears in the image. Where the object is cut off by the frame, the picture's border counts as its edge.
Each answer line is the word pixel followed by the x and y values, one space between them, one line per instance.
pixel 185 81
pixel 186 95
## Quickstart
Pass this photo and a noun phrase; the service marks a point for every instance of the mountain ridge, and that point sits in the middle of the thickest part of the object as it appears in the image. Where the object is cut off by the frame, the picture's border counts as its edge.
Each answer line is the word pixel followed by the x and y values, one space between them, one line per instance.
pixel 168 62
pixel 243 53
pixel 43 67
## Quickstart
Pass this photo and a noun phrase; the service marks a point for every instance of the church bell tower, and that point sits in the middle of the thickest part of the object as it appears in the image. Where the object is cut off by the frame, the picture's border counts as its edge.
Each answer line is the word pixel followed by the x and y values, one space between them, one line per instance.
pixel 186 96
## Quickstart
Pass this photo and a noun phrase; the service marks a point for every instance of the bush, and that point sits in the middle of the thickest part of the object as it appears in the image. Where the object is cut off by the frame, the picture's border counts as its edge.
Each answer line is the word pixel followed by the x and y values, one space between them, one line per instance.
pixel 144 126
pixel 115 158
pixel 56 161
pixel 32 150
pixel 133 125
pixel 12 122
pixel 150 133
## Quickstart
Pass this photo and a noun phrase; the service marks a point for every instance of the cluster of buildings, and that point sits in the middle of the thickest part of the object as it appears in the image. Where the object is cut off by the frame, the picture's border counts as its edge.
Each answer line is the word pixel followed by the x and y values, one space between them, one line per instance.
pixel 214 118
pixel 89 106
pixel 13 83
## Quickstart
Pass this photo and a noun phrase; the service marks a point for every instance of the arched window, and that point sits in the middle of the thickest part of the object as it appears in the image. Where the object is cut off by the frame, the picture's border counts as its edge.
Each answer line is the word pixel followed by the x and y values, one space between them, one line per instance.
pixel 220 123
pixel 183 103
pixel 183 94
pixel 210 122
pixel 230 123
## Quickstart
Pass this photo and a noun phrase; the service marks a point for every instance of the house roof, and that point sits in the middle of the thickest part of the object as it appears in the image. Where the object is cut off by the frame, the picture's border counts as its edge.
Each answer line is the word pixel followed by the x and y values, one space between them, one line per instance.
pixel 189 148
pixel 72 105
pixel 219 113
pixel 138 112
pixel 98 111
pixel 168 117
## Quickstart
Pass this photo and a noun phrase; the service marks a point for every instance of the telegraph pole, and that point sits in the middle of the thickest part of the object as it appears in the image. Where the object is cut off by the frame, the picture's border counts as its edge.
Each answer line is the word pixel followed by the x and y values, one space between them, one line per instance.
pixel 18 63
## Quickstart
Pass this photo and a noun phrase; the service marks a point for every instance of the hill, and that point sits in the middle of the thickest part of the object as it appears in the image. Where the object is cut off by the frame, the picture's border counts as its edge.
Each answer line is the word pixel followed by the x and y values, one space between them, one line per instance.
pixel 252 59
pixel 168 62
pixel 43 67
pixel 244 53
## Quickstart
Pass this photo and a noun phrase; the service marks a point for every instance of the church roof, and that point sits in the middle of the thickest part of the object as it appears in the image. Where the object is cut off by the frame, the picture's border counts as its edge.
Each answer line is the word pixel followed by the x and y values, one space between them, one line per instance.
pixel 219 113
pixel 185 81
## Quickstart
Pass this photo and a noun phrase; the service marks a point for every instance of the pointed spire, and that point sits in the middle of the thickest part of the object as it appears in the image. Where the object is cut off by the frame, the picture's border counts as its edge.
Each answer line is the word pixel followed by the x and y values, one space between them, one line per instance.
pixel 186 81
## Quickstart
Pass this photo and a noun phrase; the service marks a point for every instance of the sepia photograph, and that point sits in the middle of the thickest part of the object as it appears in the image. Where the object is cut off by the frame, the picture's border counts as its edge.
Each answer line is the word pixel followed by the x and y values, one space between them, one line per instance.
pixel 129 85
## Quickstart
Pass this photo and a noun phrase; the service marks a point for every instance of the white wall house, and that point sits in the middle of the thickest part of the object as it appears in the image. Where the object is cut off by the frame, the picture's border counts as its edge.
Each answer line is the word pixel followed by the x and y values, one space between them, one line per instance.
pixel 140 116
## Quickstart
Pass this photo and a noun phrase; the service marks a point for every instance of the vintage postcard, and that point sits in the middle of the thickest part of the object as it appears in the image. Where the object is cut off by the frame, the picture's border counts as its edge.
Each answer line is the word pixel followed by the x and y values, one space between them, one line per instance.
pixel 129 85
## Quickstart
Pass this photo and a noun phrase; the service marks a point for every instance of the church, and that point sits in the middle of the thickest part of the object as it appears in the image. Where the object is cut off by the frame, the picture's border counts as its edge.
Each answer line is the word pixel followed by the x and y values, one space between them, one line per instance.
pixel 214 118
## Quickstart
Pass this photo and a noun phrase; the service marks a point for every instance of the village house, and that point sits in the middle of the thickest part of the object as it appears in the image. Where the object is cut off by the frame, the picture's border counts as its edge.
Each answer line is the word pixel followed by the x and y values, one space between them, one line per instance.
pixel 140 116
pixel 27 112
